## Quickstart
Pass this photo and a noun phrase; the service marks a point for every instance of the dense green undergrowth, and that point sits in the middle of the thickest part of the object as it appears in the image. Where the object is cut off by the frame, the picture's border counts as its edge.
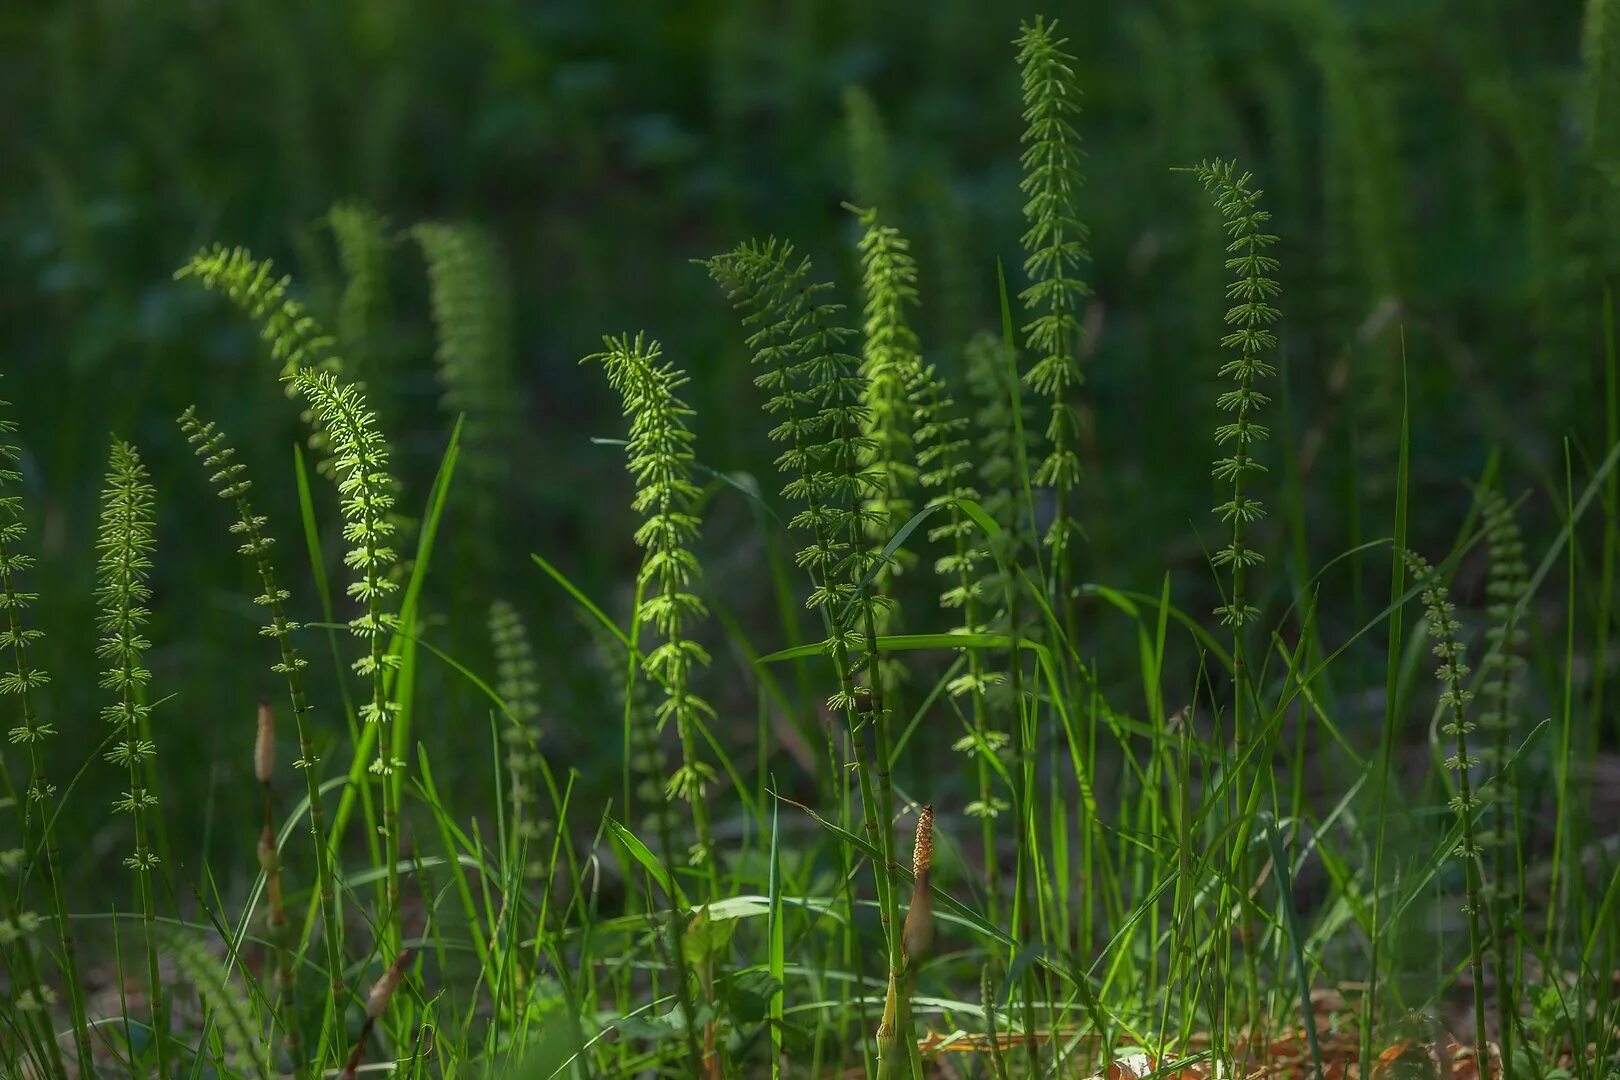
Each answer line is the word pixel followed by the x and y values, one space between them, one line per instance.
pixel 967 806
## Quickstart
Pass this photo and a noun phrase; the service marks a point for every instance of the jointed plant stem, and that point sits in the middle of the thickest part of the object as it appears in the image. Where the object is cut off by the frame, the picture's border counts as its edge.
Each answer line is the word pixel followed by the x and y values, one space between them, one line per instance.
pixel 210 447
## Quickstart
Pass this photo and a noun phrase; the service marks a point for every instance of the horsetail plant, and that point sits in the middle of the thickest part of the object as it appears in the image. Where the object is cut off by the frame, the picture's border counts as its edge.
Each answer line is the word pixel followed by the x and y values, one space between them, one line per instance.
pixel 229 479
pixel 1501 670
pixel 660 459
pixel 364 308
pixel 360 469
pixel 943 445
pixel 125 542
pixel 1055 247
pixel 21 680
pixel 1452 673
pixel 468 293
pixel 295 338
pixel 1250 337
pixel 518 684
pixel 891 364
pixel 816 389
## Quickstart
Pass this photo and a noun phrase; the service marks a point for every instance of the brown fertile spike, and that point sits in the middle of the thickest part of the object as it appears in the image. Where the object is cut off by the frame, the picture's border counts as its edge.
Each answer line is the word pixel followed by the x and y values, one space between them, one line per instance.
pixel 264 746
pixel 922 852
pixel 917 934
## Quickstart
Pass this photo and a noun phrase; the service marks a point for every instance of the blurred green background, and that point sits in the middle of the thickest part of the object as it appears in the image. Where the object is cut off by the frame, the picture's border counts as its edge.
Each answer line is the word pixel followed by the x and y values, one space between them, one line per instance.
pixel 1439 173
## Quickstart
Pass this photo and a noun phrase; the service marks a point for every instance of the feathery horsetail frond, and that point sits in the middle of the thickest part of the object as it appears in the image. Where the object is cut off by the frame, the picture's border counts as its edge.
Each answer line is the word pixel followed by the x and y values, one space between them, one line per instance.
pixel 660 459
pixel 943 448
pixel 360 469
pixel 295 338
pixel 871 177
pixel 518 684
pixel 1452 672
pixel 468 291
pixel 228 478
pixel 20 680
pixel 1249 337
pixel 1055 247
pixel 891 364
pixel 816 389
pixel 1501 670
pixel 124 540
pixel 1001 434
pixel 364 308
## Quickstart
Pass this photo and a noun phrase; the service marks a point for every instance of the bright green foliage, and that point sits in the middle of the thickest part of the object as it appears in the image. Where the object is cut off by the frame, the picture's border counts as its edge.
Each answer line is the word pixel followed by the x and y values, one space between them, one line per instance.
pixel 295 338
pixel 816 390
pixel 517 681
pixel 21 679
pixel 1055 247
pixel 891 364
pixel 944 446
pixel 1249 337
pixel 660 460
pixel 228 478
pixel 360 462
pixel 125 542
pixel 1452 673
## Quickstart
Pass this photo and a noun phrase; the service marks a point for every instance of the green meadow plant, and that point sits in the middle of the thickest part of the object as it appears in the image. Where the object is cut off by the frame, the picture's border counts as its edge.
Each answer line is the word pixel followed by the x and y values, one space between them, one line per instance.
pixel 1055 248
pixel 23 682
pixel 1157 828
pixel 125 541
pixel 660 459
pixel 816 389
pixel 1444 627
pixel 360 470
pixel 228 477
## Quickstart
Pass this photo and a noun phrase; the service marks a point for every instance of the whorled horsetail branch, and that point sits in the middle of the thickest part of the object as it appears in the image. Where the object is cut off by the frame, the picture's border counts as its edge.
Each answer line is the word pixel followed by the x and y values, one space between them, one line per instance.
pixel 1452 673
pixel 360 468
pixel 891 364
pixel 1249 336
pixel 295 337
pixel 659 457
pixel 1055 247
pixel 228 478
pixel 815 387
pixel 517 681
pixel 20 681
pixel 125 543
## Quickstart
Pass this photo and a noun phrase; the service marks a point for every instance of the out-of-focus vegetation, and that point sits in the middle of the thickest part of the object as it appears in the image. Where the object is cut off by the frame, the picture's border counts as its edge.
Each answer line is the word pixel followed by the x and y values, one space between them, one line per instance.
pixel 468 196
